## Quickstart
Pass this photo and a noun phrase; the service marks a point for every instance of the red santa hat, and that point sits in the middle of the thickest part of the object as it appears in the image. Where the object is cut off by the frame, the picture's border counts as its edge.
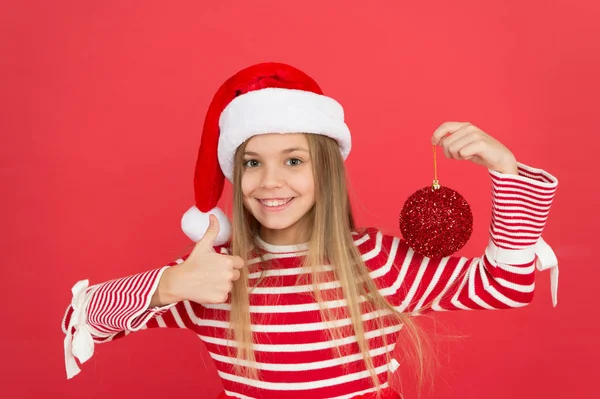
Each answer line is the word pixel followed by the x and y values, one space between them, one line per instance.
pixel 261 99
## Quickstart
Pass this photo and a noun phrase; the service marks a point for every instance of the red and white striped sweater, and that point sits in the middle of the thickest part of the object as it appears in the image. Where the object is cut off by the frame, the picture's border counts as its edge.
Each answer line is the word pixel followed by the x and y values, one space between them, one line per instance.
pixel 293 350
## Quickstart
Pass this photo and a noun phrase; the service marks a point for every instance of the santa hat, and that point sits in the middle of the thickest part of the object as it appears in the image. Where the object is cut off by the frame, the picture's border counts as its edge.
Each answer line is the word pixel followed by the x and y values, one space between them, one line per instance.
pixel 261 99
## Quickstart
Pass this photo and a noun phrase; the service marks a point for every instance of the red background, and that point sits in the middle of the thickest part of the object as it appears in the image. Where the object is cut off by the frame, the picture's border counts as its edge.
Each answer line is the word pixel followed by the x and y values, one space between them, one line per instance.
pixel 102 105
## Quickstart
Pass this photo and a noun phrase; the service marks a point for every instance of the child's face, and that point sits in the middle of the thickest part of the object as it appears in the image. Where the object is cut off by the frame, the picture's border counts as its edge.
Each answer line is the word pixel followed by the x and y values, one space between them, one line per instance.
pixel 277 181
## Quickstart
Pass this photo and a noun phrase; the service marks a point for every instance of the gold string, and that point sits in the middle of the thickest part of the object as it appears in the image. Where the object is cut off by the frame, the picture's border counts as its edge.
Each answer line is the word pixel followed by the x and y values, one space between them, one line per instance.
pixel 436 183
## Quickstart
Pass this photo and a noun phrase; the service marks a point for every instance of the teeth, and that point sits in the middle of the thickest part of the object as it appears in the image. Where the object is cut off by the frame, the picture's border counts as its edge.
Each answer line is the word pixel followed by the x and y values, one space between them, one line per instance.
pixel 275 202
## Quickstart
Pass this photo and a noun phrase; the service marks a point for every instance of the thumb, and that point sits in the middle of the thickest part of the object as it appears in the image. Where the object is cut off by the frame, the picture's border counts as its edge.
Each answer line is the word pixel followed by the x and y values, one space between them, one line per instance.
pixel 207 242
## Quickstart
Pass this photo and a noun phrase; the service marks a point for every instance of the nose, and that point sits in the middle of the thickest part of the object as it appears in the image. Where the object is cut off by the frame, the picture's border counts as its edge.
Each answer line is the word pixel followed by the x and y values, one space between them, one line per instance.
pixel 271 177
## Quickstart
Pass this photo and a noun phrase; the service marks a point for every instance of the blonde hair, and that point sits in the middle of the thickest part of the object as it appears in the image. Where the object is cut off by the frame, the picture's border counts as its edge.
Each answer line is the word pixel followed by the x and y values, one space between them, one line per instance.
pixel 331 242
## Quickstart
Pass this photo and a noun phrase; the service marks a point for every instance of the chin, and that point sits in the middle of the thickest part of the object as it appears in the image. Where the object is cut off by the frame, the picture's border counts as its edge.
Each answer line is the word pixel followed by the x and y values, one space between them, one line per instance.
pixel 276 224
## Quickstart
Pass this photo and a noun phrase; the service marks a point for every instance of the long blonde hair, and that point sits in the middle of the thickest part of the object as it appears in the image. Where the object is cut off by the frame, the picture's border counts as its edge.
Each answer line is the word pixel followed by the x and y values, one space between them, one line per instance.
pixel 331 243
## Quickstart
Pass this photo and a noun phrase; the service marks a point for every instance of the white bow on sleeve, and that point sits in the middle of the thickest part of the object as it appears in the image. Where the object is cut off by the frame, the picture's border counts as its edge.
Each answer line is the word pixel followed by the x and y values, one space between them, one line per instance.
pixel 80 344
pixel 546 259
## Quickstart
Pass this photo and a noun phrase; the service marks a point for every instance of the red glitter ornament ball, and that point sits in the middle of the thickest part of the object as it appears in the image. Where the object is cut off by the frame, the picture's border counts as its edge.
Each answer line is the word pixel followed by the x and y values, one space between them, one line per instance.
pixel 436 222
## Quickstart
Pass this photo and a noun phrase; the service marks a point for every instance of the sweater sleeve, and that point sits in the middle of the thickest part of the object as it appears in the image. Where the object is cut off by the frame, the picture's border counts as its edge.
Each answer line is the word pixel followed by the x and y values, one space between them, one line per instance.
pixel 113 309
pixel 503 277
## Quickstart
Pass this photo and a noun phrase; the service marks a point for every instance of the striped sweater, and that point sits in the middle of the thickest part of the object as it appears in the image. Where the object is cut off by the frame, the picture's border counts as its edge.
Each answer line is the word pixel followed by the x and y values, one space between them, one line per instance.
pixel 294 352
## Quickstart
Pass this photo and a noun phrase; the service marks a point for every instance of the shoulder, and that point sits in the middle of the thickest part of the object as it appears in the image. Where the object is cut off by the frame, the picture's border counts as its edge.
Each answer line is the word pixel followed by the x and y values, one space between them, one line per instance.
pixel 381 252
pixel 372 240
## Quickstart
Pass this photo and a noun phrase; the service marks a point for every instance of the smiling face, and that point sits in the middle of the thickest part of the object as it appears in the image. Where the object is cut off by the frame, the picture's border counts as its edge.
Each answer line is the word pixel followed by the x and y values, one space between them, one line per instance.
pixel 278 185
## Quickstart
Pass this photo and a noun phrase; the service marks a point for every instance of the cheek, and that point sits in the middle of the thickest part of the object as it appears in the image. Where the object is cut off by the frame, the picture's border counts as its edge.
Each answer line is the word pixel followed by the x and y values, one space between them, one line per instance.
pixel 307 184
pixel 246 190
pixel 248 184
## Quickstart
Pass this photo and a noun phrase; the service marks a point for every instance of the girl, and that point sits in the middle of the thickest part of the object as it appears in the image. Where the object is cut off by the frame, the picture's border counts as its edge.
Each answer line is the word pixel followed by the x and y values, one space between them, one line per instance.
pixel 299 301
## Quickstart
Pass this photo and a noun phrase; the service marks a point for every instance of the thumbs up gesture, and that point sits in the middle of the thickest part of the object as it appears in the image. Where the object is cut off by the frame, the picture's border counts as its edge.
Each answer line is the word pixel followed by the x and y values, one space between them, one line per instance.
pixel 205 277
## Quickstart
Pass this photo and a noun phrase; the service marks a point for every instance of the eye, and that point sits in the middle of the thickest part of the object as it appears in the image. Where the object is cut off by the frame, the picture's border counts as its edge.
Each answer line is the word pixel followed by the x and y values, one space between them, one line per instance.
pixel 251 163
pixel 293 162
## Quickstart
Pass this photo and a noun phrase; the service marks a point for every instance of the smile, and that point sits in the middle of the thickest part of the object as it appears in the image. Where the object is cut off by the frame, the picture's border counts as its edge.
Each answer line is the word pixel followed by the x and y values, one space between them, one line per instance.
pixel 275 203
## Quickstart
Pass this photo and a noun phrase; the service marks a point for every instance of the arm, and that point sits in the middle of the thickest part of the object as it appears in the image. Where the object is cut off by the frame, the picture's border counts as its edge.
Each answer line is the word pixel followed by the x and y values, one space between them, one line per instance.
pixel 108 311
pixel 111 310
pixel 503 277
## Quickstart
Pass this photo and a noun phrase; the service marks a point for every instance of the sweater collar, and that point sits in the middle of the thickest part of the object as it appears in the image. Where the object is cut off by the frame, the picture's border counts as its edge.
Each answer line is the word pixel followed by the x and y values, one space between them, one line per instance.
pixel 277 249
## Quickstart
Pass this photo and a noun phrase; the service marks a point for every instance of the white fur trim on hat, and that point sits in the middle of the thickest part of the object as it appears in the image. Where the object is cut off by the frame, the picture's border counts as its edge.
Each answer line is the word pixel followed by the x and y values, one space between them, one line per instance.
pixel 275 110
pixel 195 223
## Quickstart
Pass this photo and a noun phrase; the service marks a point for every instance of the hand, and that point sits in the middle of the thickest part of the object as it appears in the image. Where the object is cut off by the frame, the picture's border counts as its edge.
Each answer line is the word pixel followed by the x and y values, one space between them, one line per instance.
pixel 464 141
pixel 205 276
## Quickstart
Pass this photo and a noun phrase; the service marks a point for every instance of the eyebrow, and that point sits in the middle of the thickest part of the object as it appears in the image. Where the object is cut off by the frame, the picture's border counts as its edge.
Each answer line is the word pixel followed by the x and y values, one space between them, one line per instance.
pixel 287 150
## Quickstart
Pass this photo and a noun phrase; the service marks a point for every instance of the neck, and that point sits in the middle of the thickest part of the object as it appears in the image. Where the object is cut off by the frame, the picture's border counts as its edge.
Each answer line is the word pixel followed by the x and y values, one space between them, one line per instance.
pixel 292 235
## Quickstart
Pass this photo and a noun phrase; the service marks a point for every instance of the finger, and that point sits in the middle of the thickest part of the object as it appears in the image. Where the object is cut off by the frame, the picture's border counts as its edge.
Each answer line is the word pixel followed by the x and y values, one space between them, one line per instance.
pixel 447 140
pixel 445 129
pixel 470 150
pixel 236 275
pixel 238 263
pixel 207 242
pixel 454 148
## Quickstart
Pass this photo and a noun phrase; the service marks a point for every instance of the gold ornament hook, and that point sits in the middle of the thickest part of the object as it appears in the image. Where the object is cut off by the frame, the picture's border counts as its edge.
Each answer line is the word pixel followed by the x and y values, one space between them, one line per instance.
pixel 436 183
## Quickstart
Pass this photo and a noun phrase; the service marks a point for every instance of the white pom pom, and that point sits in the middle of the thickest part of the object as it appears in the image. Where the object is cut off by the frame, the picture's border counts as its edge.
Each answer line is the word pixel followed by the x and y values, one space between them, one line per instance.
pixel 195 223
